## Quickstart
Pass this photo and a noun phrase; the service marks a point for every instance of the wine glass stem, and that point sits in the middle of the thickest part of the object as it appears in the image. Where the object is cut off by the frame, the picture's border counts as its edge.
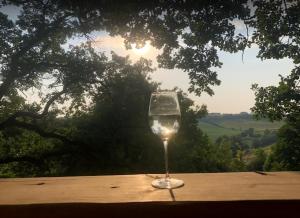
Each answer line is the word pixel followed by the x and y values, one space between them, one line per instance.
pixel 166 158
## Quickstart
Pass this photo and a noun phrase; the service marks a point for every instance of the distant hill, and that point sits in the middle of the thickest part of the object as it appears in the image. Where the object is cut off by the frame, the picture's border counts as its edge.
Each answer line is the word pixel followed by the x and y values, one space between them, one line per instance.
pixel 216 125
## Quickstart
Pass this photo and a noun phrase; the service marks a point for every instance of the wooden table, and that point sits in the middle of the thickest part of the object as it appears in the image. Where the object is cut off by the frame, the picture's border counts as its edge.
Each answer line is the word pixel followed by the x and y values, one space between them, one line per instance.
pixel 246 194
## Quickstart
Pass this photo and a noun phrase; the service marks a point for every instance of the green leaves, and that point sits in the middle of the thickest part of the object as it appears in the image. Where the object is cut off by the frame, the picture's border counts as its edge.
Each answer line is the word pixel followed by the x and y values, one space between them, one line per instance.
pixel 277 103
pixel 276 29
pixel 190 34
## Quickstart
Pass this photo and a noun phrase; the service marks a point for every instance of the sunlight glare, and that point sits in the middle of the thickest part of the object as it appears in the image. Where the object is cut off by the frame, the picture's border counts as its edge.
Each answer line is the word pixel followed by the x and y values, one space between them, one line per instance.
pixel 141 51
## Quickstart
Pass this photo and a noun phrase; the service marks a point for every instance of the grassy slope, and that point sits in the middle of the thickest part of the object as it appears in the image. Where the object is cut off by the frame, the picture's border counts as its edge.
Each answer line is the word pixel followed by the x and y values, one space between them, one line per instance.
pixel 215 127
pixel 246 124
pixel 214 131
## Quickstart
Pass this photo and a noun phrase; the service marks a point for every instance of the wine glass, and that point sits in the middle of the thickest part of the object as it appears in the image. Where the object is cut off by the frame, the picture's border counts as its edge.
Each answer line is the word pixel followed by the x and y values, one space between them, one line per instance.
pixel 164 119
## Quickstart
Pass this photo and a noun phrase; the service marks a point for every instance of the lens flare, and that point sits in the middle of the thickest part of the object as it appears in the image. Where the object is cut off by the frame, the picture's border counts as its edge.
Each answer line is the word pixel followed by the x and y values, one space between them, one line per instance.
pixel 137 49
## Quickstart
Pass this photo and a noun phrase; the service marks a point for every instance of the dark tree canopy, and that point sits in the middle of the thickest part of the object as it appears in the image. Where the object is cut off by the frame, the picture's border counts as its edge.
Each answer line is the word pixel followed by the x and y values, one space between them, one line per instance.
pixel 189 33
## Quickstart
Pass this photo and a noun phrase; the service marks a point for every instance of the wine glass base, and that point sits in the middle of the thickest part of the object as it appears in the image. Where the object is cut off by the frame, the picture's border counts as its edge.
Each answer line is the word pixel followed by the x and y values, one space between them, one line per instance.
pixel 167 183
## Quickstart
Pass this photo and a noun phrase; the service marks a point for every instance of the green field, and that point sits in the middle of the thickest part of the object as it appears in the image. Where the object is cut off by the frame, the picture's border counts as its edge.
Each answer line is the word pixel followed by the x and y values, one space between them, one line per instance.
pixel 243 124
pixel 214 131
pixel 216 126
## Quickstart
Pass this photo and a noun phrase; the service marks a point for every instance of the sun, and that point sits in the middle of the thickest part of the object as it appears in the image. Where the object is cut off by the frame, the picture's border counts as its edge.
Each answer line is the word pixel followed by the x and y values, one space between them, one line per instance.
pixel 141 51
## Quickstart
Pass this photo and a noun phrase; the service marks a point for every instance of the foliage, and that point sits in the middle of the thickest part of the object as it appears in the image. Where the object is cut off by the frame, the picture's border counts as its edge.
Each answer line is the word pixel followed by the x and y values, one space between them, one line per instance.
pixel 102 128
pixel 277 34
pixel 115 136
pixel 116 128
pixel 21 154
pixel 286 153
pixel 248 149
pixel 277 103
pixel 282 102
pixel 258 162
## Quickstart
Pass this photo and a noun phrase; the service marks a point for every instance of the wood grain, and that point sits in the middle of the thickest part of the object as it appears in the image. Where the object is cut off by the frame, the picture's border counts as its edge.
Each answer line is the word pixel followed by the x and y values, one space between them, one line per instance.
pixel 274 192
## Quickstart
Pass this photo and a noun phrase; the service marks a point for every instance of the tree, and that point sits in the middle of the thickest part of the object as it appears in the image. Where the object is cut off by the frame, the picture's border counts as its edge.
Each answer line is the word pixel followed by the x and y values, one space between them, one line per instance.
pixel 258 162
pixel 278 37
pixel 238 163
pixel 200 27
pixel 276 33
pixel 277 103
pixel 285 154
pixel 32 52
pixel 190 33
pixel 223 154
pixel 115 134
pixel 116 126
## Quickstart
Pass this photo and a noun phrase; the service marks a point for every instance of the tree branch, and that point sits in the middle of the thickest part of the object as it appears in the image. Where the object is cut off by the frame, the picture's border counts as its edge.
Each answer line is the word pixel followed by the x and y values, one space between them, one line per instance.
pixel 247 32
pixel 5 160
pixel 34 128
pixel 34 159
pixel 51 100
pixel 12 120
pixel 40 35
pixel 74 146
pixel 32 114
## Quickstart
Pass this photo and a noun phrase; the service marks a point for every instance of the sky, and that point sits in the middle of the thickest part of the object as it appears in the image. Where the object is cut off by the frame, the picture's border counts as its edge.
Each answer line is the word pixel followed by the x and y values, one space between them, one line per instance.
pixel 232 96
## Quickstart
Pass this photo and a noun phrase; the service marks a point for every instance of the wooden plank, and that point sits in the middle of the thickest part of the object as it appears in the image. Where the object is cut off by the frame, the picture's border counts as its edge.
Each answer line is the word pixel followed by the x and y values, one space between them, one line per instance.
pixel 128 193
pixel 137 188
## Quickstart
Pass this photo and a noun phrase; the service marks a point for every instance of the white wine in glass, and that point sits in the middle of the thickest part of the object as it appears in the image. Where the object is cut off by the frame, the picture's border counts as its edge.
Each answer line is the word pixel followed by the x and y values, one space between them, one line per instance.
pixel 164 119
